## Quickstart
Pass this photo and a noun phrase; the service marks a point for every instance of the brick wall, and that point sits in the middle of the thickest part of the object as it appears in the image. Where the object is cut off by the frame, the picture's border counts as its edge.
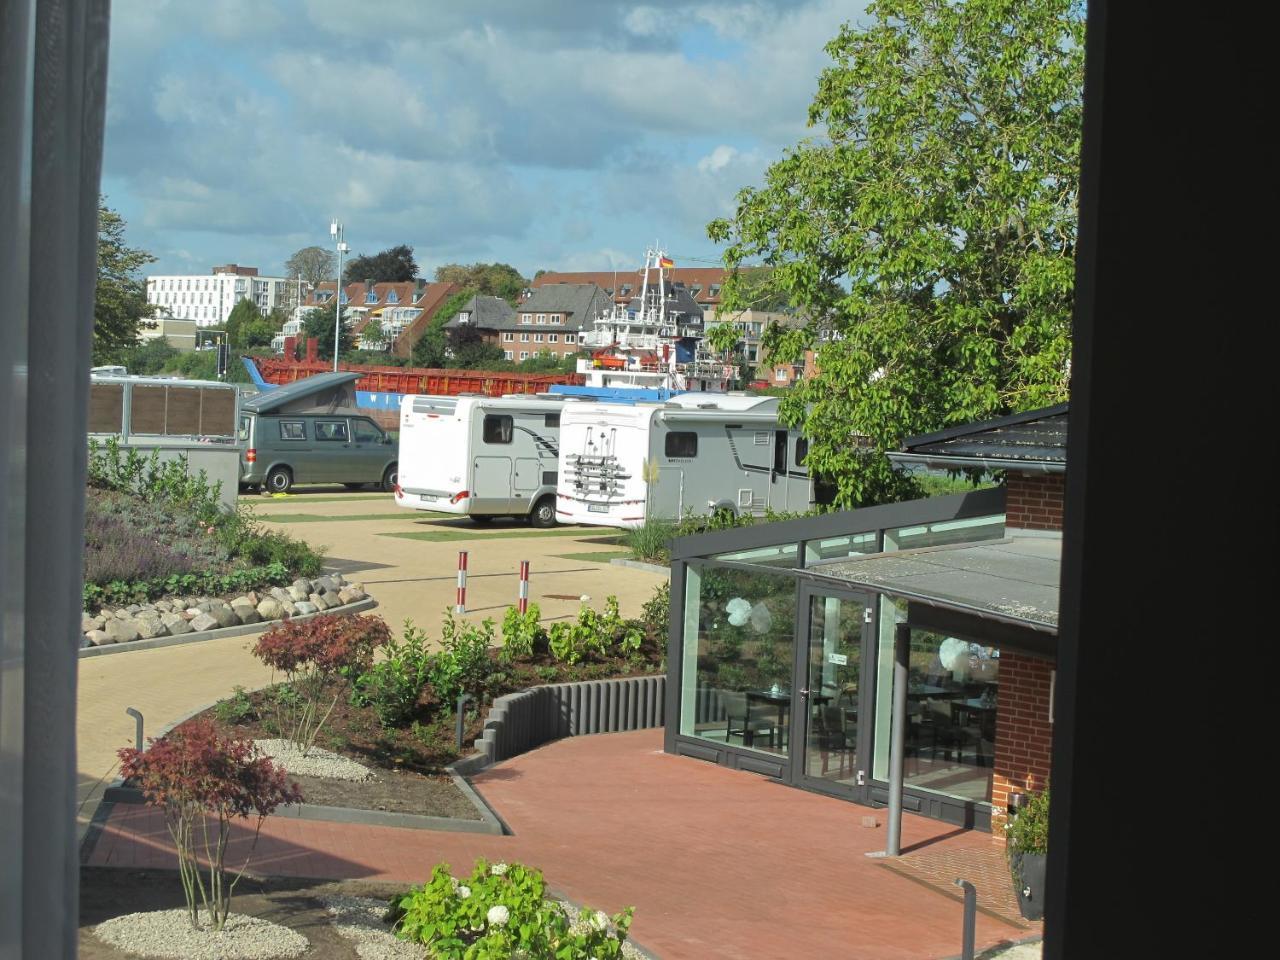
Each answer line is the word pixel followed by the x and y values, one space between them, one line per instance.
pixel 1023 732
pixel 1033 501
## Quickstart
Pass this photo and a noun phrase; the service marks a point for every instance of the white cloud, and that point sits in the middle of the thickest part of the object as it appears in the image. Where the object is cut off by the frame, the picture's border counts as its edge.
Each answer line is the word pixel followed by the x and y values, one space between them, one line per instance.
pixel 717 159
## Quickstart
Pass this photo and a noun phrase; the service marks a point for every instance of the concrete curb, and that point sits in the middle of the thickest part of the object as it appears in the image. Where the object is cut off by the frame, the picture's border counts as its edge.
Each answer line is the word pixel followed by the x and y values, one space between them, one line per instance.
pixel 641 565
pixel 368 603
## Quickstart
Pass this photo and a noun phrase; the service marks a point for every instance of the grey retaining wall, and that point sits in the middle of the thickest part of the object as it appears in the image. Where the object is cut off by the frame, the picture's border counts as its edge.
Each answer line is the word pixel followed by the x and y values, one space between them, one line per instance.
pixel 518 722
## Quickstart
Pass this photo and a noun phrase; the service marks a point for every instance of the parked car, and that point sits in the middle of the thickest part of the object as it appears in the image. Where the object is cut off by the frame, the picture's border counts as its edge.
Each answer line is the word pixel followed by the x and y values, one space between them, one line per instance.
pixel 279 450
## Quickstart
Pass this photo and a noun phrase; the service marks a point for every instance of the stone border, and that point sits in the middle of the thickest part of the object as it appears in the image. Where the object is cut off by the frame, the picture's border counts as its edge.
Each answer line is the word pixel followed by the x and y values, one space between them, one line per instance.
pixel 240 630
pixel 641 565
pixel 522 721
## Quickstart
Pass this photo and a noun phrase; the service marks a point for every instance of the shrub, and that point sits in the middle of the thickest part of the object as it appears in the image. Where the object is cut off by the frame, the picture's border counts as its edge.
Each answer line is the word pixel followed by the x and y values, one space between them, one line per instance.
pixel 594 635
pixel 393 686
pixel 651 541
pixel 1027 831
pixel 193 773
pixel 502 911
pixel 463 664
pixel 522 634
pixel 237 708
pixel 312 655
pixel 655 615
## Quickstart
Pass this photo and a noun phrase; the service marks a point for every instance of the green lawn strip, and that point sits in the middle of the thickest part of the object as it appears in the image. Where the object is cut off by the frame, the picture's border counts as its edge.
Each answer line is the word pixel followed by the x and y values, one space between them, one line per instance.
pixel 599 556
pixel 320 518
pixel 440 535
pixel 259 500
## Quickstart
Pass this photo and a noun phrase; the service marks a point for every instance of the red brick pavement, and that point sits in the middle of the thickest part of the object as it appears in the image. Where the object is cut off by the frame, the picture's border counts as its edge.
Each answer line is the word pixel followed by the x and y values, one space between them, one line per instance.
pixel 718 863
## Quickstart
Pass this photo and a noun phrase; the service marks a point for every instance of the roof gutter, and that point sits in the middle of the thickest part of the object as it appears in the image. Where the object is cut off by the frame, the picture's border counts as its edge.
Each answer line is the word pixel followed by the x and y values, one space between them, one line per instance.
pixel 945 462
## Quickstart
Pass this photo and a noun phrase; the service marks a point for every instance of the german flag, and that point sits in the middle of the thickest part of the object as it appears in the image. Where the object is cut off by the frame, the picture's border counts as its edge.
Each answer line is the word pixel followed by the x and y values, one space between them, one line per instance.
pixel 666 263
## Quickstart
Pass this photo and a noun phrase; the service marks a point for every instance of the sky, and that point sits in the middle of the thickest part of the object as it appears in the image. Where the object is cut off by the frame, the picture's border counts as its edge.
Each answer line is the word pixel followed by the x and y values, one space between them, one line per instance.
pixel 548 134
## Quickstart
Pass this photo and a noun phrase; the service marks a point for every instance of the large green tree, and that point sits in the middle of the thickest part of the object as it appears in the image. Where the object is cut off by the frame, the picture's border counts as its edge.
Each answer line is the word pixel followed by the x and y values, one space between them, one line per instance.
pixel 120 302
pixel 312 264
pixel 928 231
pixel 319 324
pixel 487 279
pixel 393 265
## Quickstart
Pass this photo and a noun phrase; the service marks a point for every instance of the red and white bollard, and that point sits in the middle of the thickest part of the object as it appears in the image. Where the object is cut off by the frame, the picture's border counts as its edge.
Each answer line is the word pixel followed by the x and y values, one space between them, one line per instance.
pixel 461 605
pixel 522 603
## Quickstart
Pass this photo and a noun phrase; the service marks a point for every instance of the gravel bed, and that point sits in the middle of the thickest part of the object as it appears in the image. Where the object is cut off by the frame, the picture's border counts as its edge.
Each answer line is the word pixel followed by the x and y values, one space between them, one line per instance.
pixel 316 762
pixel 359 920
pixel 168 934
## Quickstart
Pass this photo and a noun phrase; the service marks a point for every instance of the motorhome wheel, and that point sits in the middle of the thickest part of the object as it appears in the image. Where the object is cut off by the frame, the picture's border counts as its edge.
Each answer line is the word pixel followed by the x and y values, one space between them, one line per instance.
pixel 279 480
pixel 544 513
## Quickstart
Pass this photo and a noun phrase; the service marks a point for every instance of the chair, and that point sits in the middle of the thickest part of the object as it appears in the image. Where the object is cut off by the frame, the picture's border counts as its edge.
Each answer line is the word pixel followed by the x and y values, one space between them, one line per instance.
pixel 832 734
pixel 746 720
pixel 938 719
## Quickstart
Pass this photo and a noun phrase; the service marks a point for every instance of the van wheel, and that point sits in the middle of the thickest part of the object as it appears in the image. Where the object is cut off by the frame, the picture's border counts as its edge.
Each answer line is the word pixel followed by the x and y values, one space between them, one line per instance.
pixel 279 480
pixel 544 513
pixel 389 478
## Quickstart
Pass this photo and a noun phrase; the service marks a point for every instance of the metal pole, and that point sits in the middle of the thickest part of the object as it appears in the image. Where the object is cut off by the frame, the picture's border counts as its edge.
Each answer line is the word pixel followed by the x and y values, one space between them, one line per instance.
pixel 897 742
pixel 462 700
pixel 137 716
pixel 337 305
pixel 460 604
pixel 970 918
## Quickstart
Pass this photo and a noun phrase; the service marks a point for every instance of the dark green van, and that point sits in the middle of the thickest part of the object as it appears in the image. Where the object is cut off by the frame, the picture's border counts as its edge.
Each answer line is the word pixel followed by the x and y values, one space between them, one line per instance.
pixel 305 433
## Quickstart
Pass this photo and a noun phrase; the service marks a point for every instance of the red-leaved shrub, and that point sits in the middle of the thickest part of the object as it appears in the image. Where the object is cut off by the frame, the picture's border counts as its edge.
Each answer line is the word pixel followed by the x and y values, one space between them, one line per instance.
pixel 197 775
pixel 311 654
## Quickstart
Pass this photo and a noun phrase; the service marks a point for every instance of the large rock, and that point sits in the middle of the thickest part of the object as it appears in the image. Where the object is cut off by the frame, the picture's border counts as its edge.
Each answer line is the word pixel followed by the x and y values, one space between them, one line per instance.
pixel 133 607
pixel 326 584
pixel 223 612
pixel 297 593
pixel 252 597
pixel 288 608
pixel 88 623
pixel 306 607
pixel 351 594
pixel 150 627
pixel 97 638
pixel 122 631
pixel 269 608
pixel 175 623
pixel 331 598
pixel 280 594
pixel 202 622
pixel 245 611
pixel 206 606
pixel 319 601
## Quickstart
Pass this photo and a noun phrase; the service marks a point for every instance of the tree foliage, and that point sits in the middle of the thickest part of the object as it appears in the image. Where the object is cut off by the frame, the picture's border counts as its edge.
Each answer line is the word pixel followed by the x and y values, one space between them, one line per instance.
pixel 487 279
pixel 469 350
pixel 319 324
pixel 313 264
pixel 929 232
pixel 432 348
pixel 393 265
pixel 120 301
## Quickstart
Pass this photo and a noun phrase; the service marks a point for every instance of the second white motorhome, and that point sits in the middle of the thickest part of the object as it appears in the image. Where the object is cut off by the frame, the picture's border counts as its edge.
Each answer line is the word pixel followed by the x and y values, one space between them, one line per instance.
pixel 480 456
pixel 694 455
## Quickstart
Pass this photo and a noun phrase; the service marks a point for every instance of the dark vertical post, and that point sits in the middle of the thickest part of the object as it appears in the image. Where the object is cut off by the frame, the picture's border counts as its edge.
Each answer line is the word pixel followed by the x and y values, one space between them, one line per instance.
pixel 898 738
pixel 53 56
pixel 970 918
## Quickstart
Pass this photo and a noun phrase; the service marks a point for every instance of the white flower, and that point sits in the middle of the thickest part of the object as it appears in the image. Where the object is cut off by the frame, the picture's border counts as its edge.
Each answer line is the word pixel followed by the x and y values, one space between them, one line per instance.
pixel 498 869
pixel 738 610
pixel 498 915
pixel 600 921
pixel 454 882
pixel 584 598
pixel 464 891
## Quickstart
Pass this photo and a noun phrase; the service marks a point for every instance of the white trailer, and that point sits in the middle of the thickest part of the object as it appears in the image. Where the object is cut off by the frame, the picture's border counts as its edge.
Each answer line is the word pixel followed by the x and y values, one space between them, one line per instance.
pixel 694 455
pixel 480 456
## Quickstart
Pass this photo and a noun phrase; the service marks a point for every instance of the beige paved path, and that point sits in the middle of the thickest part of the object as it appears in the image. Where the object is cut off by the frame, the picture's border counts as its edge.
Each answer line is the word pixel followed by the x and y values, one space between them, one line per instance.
pixel 409 578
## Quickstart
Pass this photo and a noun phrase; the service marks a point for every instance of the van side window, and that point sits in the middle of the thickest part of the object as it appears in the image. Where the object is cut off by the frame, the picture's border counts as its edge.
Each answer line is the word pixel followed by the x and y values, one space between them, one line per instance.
pixel 802 450
pixel 365 431
pixel 331 430
pixel 293 430
pixel 244 429
pixel 682 443
pixel 497 428
pixel 551 420
pixel 779 451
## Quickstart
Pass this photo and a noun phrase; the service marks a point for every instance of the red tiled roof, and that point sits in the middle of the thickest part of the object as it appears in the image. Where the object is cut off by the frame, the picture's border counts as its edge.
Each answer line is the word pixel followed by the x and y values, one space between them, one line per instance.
pixel 405 291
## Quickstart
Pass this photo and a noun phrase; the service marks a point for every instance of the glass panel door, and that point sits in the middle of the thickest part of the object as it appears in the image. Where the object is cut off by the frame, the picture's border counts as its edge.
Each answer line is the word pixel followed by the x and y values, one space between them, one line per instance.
pixel 831 692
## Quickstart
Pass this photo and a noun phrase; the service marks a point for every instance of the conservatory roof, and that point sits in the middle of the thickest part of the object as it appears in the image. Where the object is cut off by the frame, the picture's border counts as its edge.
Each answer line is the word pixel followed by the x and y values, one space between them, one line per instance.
pixel 1014 580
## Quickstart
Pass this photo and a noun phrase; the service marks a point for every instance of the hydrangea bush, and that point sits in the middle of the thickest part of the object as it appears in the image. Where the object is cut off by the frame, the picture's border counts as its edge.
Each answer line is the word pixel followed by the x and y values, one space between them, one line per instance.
pixel 499 912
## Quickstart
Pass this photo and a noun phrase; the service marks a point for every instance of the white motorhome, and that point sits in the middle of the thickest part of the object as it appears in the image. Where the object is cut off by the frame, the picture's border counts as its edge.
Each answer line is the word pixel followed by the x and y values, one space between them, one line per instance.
pixel 480 456
pixel 694 455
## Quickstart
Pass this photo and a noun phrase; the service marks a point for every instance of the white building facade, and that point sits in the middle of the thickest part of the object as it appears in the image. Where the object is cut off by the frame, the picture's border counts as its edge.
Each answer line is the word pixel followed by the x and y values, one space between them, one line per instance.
pixel 208 299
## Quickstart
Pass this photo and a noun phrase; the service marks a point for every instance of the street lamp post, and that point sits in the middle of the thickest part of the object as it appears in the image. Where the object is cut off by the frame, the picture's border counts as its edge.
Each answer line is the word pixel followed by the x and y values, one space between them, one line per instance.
pixel 335 231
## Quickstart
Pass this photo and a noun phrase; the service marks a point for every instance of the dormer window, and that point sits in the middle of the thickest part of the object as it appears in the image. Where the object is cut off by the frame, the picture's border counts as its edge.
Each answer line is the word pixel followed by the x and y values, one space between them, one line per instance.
pixel 371 297
pixel 626 289
pixel 714 291
pixel 695 289
pixel 464 316
pixel 393 297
